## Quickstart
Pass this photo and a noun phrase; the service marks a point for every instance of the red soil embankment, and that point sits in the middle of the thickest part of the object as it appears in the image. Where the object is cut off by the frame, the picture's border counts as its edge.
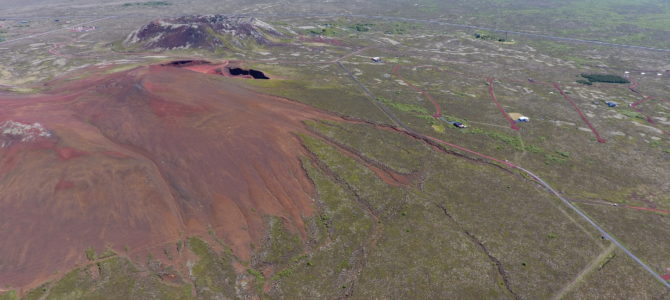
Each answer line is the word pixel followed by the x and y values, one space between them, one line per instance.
pixel 145 157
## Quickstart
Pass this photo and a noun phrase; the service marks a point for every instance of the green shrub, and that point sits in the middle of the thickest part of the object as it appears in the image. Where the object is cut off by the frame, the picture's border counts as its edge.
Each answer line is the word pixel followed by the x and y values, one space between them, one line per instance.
pixel 90 253
pixel 323 31
pixel 362 27
pixel 632 114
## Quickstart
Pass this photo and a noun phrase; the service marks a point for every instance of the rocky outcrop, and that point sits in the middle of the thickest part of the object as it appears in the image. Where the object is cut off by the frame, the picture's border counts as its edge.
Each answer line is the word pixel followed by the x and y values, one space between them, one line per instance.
pixel 203 32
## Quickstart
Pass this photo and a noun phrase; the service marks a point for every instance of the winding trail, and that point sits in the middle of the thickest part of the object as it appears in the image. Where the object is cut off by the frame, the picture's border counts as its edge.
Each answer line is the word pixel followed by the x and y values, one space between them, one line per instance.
pixel 429 97
pixel 656 210
pixel 581 114
pixel 512 123
pixel 645 98
pixel 595 263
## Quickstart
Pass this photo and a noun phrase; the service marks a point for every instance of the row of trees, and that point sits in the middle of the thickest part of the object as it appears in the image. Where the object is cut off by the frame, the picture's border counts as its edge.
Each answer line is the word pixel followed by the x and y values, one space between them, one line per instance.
pixel 607 78
pixel 489 37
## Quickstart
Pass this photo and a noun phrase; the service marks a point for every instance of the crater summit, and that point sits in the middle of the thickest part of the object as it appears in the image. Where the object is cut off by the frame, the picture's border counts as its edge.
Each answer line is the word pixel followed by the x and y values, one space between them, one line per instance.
pixel 139 159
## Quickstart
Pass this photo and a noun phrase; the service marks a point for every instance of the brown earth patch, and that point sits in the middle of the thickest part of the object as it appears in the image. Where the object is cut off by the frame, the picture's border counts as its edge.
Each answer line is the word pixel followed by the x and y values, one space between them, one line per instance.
pixel 142 158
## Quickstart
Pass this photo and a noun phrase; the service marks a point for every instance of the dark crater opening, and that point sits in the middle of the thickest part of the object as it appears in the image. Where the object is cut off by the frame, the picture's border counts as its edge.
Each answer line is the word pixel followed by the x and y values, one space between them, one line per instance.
pixel 185 63
pixel 251 72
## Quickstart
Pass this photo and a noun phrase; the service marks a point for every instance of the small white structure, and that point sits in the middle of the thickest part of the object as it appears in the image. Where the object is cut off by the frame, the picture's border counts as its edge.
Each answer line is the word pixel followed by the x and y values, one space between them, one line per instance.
pixel 523 119
pixel 82 28
pixel 377 59
pixel 659 74
pixel 643 73
pixel 626 72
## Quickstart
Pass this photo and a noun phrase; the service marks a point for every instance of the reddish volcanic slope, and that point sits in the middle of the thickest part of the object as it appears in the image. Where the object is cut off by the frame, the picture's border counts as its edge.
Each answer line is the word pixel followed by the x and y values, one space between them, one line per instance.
pixel 140 159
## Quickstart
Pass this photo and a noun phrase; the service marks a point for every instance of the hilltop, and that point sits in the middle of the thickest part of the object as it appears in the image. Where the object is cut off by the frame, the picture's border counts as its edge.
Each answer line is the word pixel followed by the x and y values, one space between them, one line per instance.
pixel 203 32
pixel 140 159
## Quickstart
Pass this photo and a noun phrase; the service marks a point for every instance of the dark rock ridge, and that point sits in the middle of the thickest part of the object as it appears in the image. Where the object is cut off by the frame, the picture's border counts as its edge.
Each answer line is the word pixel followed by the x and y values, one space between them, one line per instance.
pixel 203 32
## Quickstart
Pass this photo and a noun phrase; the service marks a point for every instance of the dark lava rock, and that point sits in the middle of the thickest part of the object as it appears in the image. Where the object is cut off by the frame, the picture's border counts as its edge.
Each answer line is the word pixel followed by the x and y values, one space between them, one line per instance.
pixel 203 32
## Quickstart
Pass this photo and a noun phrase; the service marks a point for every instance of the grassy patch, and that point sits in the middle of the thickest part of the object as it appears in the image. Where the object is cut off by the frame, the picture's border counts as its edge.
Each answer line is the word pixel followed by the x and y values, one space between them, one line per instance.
pixel 90 253
pixel 117 278
pixel 514 142
pixel 324 95
pixel 398 152
pixel 10 295
pixel 362 27
pixel 281 245
pixel 344 224
pixel 327 31
pixel 213 273
pixel 632 114
pixel 555 158
pixel 260 279
pixel 404 107
pixel 398 27
pixel 38 293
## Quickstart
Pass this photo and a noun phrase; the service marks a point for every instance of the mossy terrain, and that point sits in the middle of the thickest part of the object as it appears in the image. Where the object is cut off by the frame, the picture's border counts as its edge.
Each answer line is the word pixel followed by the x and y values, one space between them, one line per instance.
pixel 9 295
pixel 335 97
pixel 342 230
pixel 280 249
pixel 401 231
pixel 115 277
pixel 342 27
pixel 112 278
pixel 213 274
pixel 407 156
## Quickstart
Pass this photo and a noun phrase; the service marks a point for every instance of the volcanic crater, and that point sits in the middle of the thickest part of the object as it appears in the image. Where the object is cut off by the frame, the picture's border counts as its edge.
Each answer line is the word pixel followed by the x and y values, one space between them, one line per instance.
pixel 143 158
pixel 208 32
pixel 226 68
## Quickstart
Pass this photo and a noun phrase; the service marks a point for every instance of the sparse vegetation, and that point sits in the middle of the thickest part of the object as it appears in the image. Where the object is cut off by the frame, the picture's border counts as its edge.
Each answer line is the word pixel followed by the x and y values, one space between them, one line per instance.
pixel 362 27
pixel 213 274
pixel 399 28
pixel 148 3
pixel 260 279
pixel 325 31
pixel 9 295
pixel 403 106
pixel 90 253
pixel 487 36
pixel 632 114
pixel 584 82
